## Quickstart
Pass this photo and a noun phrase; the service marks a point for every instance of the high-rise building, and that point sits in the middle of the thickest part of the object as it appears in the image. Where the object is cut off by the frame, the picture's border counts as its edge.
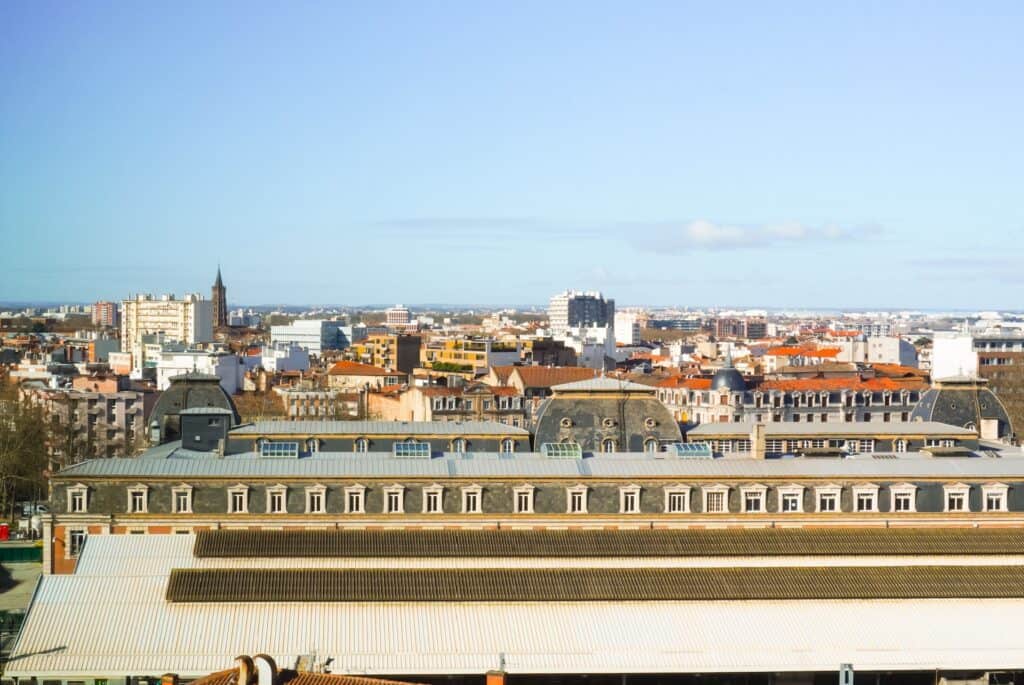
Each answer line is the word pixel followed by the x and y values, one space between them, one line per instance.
pixel 577 309
pixel 188 320
pixel 313 335
pixel 105 314
pixel 398 316
pixel 627 328
pixel 220 302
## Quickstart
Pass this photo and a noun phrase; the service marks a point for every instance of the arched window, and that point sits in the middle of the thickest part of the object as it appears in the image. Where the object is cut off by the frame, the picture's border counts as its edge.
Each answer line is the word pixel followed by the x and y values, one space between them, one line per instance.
pixel 607 445
pixel 361 445
pixel 459 445
pixel 508 445
pixel 650 445
pixel 313 445
pixel 900 445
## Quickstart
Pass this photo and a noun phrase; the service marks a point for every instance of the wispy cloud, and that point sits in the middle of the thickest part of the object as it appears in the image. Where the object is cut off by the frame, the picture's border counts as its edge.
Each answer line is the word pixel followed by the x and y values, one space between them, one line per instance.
pixel 709 235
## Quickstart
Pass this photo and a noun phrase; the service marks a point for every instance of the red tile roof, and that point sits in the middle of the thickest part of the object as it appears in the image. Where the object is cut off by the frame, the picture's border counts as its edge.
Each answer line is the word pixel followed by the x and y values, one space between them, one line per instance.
pixel 685 382
pixel 347 368
pixel 546 376
pixel 849 383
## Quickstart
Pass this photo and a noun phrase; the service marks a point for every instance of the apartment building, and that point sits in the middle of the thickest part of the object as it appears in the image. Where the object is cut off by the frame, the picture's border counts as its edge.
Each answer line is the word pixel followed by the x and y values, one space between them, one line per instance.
pixel 390 352
pixel 469 356
pixel 188 321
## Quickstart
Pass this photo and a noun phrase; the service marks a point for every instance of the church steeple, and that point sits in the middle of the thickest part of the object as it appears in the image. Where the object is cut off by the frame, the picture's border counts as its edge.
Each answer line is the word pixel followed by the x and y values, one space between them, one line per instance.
pixel 220 302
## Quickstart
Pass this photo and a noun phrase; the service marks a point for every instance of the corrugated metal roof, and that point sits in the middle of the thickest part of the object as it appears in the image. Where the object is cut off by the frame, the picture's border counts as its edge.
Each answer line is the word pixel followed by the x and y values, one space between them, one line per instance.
pixel 102 626
pixel 607 543
pixel 378 428
pixel 867 429
pixel 593 584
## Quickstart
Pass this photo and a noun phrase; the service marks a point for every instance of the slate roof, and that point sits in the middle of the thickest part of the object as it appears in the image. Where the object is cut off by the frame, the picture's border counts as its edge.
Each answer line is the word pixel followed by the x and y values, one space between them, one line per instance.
pixel 371 428
pixel 860 429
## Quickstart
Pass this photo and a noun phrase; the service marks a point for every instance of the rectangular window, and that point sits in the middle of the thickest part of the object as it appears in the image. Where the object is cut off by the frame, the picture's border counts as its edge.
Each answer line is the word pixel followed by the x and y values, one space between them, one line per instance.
pixel 956 501
pixel 432 503
pixel 182 501
pixel 902 501
pixel 524 502
pixel 994 502
pixel 630 502
pixel 752 502
pixel 276 502
pixel 714 502
pixel 237 502
pixel 471 502
pixel 76 538
pixel 790 502
pixel 394 502
pixel 865 501
pixel 77 502
pixel 138 502
pixel 827 501
pixel 315 502
pixel 676 502
pixel 354 500
pixel 279 449
pixel 577 502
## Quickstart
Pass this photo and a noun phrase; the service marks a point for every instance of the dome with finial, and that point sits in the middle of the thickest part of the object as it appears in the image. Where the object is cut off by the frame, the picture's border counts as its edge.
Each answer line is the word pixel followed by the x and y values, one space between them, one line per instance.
pixel 727 377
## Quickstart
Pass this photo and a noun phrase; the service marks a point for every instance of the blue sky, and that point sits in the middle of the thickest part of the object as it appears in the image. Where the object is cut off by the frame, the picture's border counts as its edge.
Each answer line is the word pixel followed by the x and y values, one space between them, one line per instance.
pixel 762 154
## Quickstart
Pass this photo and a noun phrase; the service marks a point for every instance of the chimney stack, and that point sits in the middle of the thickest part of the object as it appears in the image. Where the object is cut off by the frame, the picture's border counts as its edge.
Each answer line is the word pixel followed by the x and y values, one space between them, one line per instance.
pixel 758 444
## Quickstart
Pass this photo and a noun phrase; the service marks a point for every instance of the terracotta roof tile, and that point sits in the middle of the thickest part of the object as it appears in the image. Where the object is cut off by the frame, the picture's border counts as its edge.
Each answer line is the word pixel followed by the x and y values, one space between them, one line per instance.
pixel 347 368
pixel 547 376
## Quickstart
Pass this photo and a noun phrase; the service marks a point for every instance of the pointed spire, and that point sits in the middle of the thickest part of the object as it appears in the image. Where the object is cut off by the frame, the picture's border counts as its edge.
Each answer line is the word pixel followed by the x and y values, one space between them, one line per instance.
pixel 218 283
pixel 728 357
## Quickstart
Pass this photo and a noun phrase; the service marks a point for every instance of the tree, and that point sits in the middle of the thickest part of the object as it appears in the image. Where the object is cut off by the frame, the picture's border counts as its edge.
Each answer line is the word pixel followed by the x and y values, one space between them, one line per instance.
pixel 253 406
pixel 791 340
pixel 23 453
pixel 923 342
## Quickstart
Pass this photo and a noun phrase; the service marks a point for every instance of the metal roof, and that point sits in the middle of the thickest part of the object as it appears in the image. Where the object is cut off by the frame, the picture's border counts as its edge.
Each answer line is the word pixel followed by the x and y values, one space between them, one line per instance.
pixel 90 626
pixel 592 584
pixel 607 543
pixel 327 465
pixel 378 428
pixel 743 429
pixel 604 385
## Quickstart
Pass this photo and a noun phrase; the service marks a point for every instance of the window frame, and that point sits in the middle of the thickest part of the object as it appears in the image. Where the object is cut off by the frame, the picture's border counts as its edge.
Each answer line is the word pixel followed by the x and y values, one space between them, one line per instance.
pixel 72 550
pixel 528 491
pixel 709 490
pixel 583 492
pixel 834 492
pixel 628 493
pixel 758 491
pixel 81 490
pixel 682 491
pixel 278 490
pixel 477 493
pixel 397 490
pixel 359 492
pixel 181 489
pixel 956 489
pixel 903 490
pixel 312 490
pixel 784 491
pixel 867 490
pixel 138 489
pixel 1000 489
pixel 438 490
pixel 239 489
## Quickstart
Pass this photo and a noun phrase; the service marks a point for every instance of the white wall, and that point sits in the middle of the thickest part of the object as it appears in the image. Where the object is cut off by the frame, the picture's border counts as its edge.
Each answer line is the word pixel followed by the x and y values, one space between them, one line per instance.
pixel 953 355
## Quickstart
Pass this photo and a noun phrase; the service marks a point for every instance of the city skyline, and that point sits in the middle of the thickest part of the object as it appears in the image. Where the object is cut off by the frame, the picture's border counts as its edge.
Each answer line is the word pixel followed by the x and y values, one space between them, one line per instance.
pixel 806 158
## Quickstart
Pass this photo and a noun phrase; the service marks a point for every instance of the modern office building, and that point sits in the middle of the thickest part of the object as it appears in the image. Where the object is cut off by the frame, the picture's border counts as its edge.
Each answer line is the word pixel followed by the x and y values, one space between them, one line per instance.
pixel 577 309
pixel 397 316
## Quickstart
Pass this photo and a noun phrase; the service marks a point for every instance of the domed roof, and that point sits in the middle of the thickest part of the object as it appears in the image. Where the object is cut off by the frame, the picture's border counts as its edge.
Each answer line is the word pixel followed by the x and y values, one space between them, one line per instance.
pixel 964 402
pixel 188 391
pixel 728 378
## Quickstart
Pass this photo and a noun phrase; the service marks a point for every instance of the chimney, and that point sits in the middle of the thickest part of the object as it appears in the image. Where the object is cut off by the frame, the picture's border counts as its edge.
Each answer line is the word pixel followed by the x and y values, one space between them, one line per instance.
pixel 757 441
pixel 266 669
pixel 169 679
pixel 495 678
pixel 245 669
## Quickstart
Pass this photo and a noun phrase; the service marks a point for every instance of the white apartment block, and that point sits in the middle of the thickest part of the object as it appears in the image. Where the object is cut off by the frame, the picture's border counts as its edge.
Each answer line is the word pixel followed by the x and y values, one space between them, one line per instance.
pixel 627 328
pixel 313 335
pixel 187 321
pixel 225 366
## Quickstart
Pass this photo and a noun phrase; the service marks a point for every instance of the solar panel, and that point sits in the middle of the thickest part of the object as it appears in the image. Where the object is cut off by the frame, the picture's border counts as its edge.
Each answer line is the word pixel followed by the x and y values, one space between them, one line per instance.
pixel 412 450
pixel 692 450
pixel 562 450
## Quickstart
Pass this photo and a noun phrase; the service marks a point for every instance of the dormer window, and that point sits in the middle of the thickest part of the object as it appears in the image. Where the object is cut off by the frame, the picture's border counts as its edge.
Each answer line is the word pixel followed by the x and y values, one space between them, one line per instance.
pixel 459 445
pixel 181 499
pixel 138 497
pixel 316 499
pixel 629 499
pixel 361 445
pixel 277 499
pixel 472 496
pixel 394 499
pixel 238 499
pixel 78 499
pixel 522 497
pixel 313 445
pixel 355 499
pixel 576 499
pixel 508 445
